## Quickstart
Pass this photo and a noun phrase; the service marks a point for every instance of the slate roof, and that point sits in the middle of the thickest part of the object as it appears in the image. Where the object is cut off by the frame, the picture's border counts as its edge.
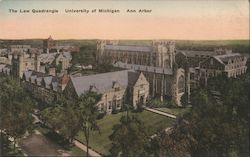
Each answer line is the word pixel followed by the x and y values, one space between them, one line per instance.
pixel 132 78
pixel 37 78
pixel 129 48
pixel 102 82
pixel 225 58
pixel 190 53
pixel 145 68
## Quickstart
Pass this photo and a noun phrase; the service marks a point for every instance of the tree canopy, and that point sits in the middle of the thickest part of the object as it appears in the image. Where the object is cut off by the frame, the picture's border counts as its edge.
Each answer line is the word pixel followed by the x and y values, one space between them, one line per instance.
pixel 129 138
pixel 16 108
pixel 218 124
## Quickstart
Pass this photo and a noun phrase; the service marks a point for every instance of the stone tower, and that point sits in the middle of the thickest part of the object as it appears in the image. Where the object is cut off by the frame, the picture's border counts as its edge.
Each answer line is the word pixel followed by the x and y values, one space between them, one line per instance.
pixel 17 65
pixel 48 44
pixel 164 53
pixel 37 63
pixel 100 44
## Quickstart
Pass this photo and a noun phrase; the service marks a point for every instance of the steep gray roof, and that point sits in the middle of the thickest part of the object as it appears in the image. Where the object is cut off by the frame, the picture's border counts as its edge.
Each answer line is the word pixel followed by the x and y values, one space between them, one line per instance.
pixel 129 48
pixel 47 80
pixel 37 77
pixel 27 75
pixel 190 53
pixel 102 82
pixel 145 68
pixel 226 57
pixel 132 78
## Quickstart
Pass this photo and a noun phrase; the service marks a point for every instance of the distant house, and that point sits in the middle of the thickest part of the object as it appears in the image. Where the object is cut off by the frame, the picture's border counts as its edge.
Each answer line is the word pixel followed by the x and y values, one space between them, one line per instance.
pixel 117 88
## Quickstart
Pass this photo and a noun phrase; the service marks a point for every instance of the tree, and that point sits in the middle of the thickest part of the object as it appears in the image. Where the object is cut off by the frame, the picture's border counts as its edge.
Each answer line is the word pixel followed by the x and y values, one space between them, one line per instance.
pixel 177 140
pixel 16 109
pixel 63 117
pixel 218 124
pixel 129 138
pixel 88 113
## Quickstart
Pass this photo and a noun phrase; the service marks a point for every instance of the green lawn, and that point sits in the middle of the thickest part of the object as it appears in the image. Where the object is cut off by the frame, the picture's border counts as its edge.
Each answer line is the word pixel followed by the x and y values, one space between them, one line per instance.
pixel 175 111
pixel 102 144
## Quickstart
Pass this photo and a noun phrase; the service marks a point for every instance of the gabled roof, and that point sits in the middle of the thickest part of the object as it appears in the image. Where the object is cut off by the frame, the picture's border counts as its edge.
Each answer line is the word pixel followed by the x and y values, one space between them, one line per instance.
pixel 38 77
pixel 129 48
pixel 133 77
pixel 191 53
pixel 225 58
pixel 145 68
pixel 102 82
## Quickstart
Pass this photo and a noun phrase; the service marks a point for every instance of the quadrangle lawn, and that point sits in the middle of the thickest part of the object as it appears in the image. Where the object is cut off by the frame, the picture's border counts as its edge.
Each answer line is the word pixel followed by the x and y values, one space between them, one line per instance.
pixel 100 141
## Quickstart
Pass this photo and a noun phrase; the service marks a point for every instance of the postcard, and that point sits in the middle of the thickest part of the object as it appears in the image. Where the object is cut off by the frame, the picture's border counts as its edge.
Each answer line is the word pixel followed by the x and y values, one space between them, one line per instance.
pixel 123 78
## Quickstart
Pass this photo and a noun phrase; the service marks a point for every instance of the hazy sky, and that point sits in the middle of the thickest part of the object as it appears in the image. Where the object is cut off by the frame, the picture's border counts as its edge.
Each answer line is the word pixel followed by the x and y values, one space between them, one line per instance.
pixel 169 19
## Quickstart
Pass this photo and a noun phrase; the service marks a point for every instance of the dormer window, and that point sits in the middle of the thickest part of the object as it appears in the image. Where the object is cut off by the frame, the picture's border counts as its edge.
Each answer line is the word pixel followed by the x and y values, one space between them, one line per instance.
pixel 116 86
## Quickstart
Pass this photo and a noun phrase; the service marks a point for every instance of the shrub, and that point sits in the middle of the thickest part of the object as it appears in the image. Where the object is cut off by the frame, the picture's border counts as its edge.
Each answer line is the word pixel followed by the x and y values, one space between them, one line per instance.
pixel 101 115
pixel 115 111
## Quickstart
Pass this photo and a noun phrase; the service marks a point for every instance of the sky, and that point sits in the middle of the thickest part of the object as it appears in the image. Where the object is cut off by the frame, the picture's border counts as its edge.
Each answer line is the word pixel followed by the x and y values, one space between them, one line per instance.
pixel 169 19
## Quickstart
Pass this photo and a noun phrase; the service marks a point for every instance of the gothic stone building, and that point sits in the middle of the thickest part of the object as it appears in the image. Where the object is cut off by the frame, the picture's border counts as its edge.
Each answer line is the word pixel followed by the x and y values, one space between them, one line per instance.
pixel 201 65
pixel 159 54
pixel 22 62
pixel 232 65
pixel 156 62
pixel 164 82
pixel 117 88
pixel 42 86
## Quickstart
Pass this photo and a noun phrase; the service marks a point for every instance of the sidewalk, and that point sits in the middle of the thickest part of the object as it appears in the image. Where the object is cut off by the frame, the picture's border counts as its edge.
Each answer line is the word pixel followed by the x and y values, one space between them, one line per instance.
pixel 161 113
pixel 84 148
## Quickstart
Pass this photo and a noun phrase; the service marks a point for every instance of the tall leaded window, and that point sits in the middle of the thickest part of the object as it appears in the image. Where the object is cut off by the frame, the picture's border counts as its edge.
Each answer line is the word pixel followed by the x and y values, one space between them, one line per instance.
pixel 181 84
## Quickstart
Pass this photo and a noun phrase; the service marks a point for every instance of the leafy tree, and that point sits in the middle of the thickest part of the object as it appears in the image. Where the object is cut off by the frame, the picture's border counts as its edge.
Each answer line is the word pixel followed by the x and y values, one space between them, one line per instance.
pixel 63 117
pixel 177 141
pixel 88 114
pixel 86 55
pixel 16 108
pixel 129 138
pixel 218 124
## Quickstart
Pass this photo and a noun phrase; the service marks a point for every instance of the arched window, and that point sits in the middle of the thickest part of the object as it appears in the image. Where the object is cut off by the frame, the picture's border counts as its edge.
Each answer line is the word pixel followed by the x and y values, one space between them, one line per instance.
pixel 181 84
pixel 166 63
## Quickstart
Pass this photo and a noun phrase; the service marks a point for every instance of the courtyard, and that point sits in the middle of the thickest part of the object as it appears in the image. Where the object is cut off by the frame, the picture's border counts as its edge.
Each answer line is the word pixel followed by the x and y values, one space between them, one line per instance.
pixel 99 141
